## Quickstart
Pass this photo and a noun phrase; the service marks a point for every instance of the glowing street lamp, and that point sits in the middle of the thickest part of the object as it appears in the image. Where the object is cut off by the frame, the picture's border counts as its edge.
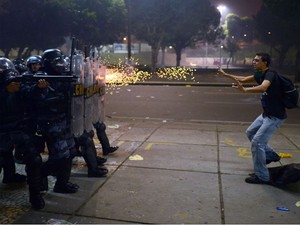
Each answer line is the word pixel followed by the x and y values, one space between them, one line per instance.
pixel 222 9
pixel 221 47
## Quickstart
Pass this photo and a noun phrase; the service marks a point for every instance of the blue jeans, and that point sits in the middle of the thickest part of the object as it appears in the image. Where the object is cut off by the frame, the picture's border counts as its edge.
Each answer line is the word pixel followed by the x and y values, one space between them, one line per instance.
pixel 259 133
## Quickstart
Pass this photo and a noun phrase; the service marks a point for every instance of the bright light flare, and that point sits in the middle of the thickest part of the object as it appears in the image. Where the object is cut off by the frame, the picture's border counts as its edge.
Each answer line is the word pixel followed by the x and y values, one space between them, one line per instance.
pixel 124 74
pixel 222 9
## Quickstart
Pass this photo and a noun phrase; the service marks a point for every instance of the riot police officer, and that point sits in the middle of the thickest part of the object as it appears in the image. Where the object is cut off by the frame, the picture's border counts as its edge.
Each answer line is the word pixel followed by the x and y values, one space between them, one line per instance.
pixel 53 122
pixel 20 65
pixel 34 64
pixel 13 129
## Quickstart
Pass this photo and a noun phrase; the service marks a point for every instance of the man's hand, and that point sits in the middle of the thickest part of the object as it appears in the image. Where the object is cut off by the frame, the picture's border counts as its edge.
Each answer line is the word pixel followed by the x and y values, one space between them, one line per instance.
pixel 42 84
pixel 220 70
pixel 239 86
pixel 13 87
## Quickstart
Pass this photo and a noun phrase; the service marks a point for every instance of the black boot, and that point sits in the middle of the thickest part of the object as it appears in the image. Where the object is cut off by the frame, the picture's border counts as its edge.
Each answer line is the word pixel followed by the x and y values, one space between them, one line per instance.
pixel 48 168
pixel 98 172
pixel 36 200
pixel 101 160
pixel 44 184
pixel 67 188
pixel 34 182
pixel 88 151
pixel 110 150
pixel 63 173
pixel 101 134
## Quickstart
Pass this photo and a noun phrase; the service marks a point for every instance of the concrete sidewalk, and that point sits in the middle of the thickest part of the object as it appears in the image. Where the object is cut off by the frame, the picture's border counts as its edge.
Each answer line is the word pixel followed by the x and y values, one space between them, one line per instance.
pixel 169 172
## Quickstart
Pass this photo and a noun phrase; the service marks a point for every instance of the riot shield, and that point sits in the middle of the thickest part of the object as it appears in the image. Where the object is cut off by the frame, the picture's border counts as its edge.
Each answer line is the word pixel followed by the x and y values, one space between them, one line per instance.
pixel 88 95
pixel 77 104
pixel 101 93
pixel 98 114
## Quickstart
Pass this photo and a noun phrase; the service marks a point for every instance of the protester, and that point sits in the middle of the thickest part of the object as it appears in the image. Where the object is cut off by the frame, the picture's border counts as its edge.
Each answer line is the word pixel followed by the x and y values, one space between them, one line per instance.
pixel 264 126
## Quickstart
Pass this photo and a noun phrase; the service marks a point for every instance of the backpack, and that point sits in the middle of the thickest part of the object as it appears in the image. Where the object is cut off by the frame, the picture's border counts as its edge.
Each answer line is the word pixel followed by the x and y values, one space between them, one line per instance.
pixel 283 175
pixel 289 92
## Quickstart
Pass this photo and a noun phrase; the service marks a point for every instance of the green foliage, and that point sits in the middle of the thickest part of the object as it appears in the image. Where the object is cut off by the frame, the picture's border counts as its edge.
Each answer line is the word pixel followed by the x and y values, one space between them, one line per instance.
pixel 174 22
pixel 41 24
pixel 276 29
pixel 283 33
pixel 239 28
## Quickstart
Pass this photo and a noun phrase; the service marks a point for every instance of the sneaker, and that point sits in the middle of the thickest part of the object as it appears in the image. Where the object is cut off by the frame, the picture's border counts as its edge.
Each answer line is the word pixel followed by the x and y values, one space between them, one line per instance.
pixel 272 157
pixel 16 178
pixel 255 180
pixel 111 150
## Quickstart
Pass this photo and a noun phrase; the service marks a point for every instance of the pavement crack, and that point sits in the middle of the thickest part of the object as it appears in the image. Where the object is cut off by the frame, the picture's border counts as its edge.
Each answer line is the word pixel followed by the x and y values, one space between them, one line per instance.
pixel 222 206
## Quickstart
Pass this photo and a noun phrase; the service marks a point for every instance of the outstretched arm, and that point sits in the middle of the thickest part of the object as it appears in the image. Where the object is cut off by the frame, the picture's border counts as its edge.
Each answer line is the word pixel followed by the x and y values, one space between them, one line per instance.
pixel 241 79
pixel 256 89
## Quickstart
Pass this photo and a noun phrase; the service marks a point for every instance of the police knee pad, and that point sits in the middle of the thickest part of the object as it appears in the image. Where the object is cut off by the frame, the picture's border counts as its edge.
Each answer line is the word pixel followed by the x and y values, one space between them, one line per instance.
pixel 83 139
pixel 100 126
pixel 89 142
pixel 91 134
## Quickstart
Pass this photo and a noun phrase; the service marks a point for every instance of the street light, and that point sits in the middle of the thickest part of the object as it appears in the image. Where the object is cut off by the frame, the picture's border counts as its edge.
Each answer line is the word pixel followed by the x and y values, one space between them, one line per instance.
pixel 221 47
pixel 222 9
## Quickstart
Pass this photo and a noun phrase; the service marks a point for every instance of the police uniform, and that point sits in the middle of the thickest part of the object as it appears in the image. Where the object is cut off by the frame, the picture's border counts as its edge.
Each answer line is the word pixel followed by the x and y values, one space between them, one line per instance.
pixel 53 124
pixel 13 131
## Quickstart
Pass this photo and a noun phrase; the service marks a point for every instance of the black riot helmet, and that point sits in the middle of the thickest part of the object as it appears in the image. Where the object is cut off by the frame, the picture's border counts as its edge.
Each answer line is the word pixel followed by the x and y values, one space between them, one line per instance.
pixel 20 65
pixel 53 62
pixel 35 59
pixel 7 71
pixel 32 60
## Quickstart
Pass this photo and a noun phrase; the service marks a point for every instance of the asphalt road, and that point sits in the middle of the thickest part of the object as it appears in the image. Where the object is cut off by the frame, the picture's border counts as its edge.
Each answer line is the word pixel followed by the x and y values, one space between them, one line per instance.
pixel 187 103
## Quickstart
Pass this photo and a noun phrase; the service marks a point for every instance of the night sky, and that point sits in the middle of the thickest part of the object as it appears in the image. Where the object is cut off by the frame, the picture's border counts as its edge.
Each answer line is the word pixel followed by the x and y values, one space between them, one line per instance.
pixel 240 7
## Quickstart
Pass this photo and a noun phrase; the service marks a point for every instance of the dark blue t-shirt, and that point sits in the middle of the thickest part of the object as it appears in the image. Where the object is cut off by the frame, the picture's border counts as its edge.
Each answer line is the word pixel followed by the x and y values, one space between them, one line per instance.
pixel 271 100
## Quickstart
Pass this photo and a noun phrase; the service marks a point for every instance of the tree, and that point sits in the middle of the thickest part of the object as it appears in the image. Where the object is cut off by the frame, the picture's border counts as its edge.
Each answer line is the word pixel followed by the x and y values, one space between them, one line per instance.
pixel 232 47
pixel 173 22
pixel 278 26
pixel 288 16
pixel 238 30
pixel 272 31
pixel 25 27
pixel 149 20
pixel 97 22
pixel 191 21
pixel 41 24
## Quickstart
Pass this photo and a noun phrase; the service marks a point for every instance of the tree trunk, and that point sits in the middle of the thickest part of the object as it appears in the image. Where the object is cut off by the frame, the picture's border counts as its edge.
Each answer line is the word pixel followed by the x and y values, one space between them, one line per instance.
pixel 178 56
pixel 163 51
pixel 154 55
